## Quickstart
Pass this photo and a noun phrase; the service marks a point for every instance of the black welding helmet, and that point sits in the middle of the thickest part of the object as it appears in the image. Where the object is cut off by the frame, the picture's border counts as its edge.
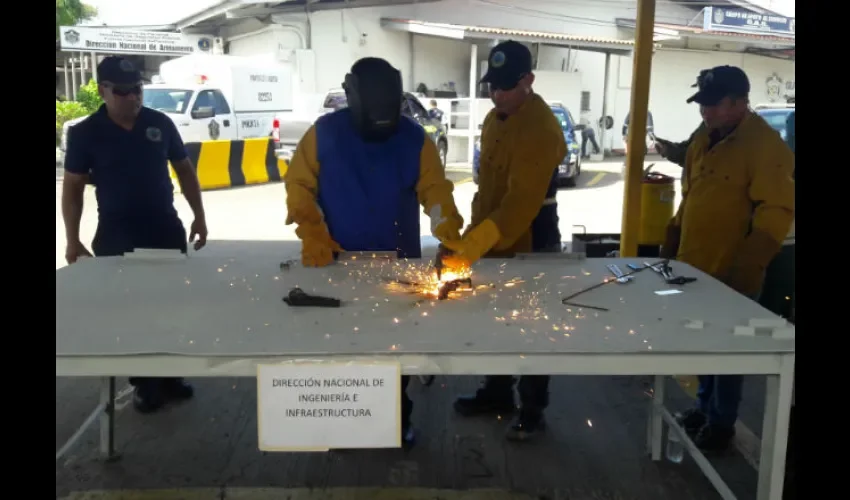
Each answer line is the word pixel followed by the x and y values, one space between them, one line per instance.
pixel 374 93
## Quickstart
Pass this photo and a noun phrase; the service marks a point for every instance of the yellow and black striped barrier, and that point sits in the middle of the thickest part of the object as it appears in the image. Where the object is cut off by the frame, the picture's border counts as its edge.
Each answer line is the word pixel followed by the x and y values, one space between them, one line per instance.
pixel 223 164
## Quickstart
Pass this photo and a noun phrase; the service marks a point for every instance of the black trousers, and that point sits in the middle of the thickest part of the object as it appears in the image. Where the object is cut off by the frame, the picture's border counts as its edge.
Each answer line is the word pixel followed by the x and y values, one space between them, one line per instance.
pixel 406 402
pixel 113 238
pixel 533 390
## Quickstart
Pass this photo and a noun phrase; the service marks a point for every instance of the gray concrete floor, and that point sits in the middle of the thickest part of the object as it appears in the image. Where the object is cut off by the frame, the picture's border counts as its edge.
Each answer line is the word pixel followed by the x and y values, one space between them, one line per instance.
pixel 593 448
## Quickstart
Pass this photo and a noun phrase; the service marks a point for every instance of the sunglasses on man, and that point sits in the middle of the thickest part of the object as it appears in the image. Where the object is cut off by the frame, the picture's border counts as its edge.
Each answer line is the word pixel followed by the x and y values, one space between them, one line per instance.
pixel 124 90
pixel 506 86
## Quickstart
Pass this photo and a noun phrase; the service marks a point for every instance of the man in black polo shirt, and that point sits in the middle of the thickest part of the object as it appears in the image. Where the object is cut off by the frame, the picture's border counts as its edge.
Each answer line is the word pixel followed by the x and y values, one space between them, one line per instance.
pixel 124 148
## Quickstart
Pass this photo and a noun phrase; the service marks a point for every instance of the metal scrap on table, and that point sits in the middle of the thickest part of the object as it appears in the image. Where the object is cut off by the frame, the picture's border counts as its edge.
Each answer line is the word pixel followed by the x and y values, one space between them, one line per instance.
pixel 299 298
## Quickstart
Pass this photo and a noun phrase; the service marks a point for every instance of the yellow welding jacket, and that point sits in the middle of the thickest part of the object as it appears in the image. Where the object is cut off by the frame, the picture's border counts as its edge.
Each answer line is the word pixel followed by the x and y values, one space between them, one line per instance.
pixel 368 193
pixel 519 154
pixel 741 185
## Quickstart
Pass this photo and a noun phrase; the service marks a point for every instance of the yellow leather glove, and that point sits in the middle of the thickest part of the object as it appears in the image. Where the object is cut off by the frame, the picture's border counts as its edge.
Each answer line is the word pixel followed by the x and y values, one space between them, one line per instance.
pixel 317 246
pixel 445 227
pixel 746 275
pixel 473 245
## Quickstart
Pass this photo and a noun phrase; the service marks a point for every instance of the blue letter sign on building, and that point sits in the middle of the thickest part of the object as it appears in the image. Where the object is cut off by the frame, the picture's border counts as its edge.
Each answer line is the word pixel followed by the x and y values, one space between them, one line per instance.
pixel 745 21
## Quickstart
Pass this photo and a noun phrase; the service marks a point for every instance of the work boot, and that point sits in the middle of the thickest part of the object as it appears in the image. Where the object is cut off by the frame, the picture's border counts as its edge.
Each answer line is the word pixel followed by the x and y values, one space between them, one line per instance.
pixel 692 421
pixel 714 438
pixel 526 425
pixel 408 436
pixel 176 389
pixel 148 398
pixel 484 402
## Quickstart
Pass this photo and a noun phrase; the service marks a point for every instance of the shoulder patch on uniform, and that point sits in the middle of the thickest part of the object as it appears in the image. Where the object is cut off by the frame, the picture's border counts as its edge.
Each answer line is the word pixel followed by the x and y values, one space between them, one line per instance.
pixel 153 134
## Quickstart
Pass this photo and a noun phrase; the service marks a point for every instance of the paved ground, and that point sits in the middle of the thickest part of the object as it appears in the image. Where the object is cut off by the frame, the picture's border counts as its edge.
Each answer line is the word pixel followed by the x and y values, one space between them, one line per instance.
pixel 207 449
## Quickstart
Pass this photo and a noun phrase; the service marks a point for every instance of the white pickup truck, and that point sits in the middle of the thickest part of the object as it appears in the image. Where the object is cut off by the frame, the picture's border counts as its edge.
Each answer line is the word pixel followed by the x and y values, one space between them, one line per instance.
pixel 293 125
pixel 217 97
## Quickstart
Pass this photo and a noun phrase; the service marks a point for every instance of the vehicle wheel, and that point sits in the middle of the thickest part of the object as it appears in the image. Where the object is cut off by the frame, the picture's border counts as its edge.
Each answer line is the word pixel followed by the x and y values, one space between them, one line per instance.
pixel 578 166
pixel 443 148
pixel 571 182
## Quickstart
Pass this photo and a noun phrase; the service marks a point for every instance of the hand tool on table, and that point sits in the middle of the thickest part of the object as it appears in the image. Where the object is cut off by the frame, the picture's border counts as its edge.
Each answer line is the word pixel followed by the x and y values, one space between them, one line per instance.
pixel 299 298
pixel 450 286
pixel 567 301
pixel 663 268
pixel 618 273
pixel 442 252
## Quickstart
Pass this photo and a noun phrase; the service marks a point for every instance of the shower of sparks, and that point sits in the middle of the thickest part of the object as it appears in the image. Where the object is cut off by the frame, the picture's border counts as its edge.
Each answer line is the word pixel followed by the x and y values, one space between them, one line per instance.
pixel 421 279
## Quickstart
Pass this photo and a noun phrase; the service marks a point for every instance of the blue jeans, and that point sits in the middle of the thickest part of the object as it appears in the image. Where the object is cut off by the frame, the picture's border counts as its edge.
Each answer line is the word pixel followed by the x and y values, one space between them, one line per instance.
pixel 718 396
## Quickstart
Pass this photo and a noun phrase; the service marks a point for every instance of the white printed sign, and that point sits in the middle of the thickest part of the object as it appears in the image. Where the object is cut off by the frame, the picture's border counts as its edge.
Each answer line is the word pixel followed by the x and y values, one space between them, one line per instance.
pixel 121 41
pixel 324 406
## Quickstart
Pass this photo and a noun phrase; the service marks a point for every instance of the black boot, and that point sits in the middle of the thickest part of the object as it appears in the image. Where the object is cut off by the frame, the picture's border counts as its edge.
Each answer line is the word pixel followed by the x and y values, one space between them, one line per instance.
pixel 408 436
pixel 714 438
pixel 692 421
pixel 176 389
pixel 148 396
pixel 485 402
pixel 526 425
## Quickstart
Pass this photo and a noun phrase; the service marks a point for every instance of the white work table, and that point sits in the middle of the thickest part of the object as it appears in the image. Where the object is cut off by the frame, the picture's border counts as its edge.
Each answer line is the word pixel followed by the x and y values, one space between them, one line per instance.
pixel 222 314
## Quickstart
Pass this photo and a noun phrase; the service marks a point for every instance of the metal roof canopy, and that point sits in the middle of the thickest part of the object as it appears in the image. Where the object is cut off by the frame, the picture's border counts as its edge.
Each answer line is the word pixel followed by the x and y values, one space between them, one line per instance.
pixel 477 33
pixel 228 12
pixel 757 40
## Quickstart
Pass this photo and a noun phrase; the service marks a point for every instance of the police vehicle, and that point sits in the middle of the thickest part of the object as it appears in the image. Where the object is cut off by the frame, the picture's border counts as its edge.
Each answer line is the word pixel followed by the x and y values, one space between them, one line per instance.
pixel 570 167
pixel 217 97
pixel 292 127
pixel 776 115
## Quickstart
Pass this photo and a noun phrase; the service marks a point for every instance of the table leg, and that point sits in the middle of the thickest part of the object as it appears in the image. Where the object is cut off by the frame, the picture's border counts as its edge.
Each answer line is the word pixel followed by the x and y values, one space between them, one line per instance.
pixel 774 441
pixel 107 419
pixel 654 421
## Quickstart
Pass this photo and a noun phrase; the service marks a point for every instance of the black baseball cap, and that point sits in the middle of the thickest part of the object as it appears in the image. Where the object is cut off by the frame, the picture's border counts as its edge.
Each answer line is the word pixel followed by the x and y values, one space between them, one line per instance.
pixel 507 64
pixel 118 70
pixel 716 83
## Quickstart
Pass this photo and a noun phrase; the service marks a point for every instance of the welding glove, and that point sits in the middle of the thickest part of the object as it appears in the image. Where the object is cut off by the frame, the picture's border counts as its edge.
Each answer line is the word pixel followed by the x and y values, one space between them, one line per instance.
pixel 317 246
pixel 473 245
pixel 445 227
pixel 746 275
pixel 673 236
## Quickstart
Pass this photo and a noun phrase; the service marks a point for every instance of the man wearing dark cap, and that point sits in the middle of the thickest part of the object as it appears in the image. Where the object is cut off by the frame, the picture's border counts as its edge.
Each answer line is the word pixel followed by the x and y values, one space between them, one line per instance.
pixel 358 178
pixel 514 210
pixel 124 148
pixel 737 206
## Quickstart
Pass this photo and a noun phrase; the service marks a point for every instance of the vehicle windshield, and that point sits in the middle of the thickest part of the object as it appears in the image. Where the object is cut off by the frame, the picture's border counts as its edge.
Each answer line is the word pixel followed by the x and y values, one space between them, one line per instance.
pixel 167 100
pixel 776 118
pixel 563 118
pixel 335 101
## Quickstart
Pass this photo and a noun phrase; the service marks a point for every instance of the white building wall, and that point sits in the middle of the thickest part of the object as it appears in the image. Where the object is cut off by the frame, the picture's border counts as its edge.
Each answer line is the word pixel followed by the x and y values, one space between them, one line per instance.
pixel 441 62
pixel 336 39
pixel 673 73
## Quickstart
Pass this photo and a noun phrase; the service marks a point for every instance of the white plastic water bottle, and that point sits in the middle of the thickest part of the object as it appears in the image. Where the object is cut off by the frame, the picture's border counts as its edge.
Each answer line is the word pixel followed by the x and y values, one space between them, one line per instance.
pixel 675 449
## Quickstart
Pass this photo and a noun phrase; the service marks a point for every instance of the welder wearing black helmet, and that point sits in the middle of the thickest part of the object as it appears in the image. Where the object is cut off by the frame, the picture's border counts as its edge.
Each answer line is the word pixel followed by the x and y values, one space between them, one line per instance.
pixel 359 175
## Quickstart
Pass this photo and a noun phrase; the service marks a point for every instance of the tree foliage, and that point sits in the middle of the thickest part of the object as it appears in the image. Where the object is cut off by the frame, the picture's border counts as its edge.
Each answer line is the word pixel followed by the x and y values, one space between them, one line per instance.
pixel 89 97
pixel 71 12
